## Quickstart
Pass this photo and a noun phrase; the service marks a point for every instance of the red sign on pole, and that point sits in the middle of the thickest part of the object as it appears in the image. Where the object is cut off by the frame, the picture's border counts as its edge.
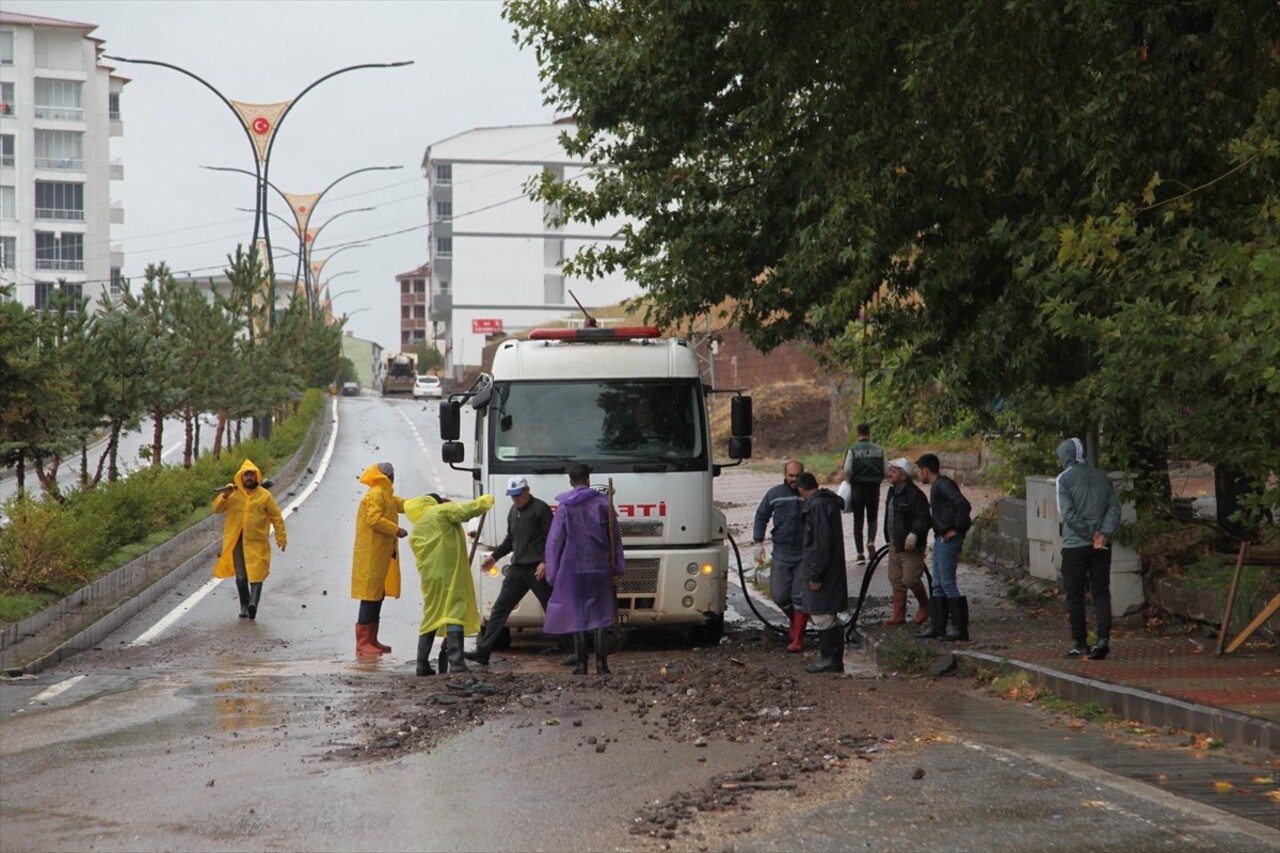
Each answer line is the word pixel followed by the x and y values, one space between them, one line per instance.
pixel 486 327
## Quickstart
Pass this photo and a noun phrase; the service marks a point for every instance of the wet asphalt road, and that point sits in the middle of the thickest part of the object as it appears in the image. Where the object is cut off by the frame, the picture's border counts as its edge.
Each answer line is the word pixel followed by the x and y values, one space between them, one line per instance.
pixel 213 736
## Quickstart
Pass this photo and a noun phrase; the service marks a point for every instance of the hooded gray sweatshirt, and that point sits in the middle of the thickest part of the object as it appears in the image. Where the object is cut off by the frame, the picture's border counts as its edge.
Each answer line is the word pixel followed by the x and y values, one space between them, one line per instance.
pixel 1087 501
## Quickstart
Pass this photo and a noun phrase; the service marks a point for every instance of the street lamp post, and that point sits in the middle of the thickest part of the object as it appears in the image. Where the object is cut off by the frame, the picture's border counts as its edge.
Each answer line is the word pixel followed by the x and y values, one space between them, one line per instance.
pixel 261 122
pixel 303 206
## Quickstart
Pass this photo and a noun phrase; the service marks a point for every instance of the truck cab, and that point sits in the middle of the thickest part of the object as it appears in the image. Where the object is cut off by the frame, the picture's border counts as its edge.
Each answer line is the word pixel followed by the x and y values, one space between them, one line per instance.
pixel 632 406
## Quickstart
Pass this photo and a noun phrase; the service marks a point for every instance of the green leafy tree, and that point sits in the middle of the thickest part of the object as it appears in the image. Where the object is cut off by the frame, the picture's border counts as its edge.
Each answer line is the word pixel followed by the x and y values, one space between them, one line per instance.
pixel 1042 199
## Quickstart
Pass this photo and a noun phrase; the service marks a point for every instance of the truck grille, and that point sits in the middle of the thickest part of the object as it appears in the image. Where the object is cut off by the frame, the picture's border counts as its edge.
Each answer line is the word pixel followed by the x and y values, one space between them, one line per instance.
pixel 640 578
pixel 640 528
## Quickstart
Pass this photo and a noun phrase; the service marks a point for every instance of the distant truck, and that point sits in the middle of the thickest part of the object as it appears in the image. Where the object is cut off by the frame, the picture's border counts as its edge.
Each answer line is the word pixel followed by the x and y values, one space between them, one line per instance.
pixel 400 374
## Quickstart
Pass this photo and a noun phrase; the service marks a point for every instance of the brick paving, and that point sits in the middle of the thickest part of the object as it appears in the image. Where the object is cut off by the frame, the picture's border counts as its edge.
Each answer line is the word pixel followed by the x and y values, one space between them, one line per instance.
pixel 1175 667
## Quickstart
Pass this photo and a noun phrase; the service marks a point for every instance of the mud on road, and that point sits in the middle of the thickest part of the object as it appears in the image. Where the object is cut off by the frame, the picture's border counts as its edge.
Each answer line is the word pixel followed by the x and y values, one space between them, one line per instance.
pixel 804 728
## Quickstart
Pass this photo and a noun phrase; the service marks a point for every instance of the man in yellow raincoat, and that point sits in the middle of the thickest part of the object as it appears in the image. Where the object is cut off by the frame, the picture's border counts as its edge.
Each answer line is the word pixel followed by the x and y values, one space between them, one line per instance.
pixel 448 595
pixel 250 512
pixel 375 565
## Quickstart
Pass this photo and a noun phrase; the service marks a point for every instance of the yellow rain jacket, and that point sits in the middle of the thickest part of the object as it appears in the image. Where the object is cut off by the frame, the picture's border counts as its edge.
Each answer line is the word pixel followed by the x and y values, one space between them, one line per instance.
pixel 249 514
pixel 440 547
pixel 375 566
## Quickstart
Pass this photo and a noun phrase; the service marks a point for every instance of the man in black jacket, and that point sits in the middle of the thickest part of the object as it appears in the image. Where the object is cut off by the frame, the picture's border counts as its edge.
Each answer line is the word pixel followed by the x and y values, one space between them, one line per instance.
pixel 950 510
pixel 906 527
pixel 822 565
pixel 528 522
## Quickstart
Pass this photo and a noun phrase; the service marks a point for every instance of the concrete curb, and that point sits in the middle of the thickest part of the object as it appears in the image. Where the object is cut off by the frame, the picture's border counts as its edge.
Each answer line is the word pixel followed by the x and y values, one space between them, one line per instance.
pixel 83 619
pixel 1152 709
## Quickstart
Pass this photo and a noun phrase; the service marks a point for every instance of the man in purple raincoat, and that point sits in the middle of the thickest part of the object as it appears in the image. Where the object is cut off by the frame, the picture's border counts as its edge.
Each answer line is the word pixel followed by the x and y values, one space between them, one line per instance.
pixel 584 561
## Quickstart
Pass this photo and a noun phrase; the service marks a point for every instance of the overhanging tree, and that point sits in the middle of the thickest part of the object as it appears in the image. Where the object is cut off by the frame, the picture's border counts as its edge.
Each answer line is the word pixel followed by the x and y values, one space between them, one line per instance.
pixel 1017 181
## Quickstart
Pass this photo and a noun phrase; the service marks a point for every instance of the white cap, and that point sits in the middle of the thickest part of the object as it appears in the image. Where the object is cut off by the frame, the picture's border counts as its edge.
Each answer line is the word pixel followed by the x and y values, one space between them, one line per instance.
pixel 516 485
pixel 905 464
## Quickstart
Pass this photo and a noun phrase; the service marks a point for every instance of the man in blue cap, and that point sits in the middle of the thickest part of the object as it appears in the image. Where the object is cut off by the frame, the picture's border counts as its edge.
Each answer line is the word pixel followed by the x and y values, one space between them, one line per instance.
pixel 528 522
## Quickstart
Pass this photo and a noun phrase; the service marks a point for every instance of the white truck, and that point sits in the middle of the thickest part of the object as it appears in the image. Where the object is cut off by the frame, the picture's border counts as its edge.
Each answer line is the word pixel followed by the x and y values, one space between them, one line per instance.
pixel 633 407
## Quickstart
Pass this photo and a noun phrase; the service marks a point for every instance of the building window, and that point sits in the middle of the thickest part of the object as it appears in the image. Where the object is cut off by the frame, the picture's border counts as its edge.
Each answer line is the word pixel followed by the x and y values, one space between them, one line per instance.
pixel 44 290
pixel 8 251
pixel 404 312
pixel 113 106
pixel 60 201
pixel 6 47
pixel 65 252
pixel 8 203
pixel 553 289
pixel 59 99
pixel 444 247
pixel 419 285
pixel 405 287
pixel 117 281
pixel 6 99
pixel 59 149
pixel 444 211
pixel 444 173
pixel 444 286
pixel 47 290
pixel 6 150
pixel 419 312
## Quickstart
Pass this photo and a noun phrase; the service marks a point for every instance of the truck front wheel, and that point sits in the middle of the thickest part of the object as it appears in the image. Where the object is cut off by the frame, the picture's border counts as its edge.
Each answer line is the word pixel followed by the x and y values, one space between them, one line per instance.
pixel 709 632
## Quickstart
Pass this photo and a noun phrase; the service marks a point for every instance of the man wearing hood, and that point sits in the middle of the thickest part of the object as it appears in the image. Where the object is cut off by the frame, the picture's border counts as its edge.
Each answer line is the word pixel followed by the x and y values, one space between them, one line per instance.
pixel 1090 513
pixel 584 560
pixel 906 527
pixel 375 565
pixel 250 512
pixel 822 566
pixel 448 595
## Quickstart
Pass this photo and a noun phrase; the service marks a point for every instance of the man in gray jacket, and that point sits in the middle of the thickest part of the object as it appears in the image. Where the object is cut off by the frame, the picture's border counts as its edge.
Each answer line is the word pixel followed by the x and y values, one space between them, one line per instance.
pixel 1090 513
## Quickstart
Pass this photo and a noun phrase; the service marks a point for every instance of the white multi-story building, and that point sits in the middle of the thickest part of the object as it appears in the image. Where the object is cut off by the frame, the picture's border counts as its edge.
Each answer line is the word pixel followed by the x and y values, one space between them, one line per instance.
pixel 59 108
pixel 494 256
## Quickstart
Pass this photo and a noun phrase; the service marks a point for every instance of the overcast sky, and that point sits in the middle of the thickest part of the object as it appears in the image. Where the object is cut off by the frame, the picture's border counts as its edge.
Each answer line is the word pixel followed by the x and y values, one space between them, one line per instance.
pixel 467 73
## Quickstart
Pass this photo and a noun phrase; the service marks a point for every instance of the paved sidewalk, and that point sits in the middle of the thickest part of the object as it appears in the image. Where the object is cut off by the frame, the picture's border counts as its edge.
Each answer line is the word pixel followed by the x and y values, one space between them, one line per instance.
pixel 1163 676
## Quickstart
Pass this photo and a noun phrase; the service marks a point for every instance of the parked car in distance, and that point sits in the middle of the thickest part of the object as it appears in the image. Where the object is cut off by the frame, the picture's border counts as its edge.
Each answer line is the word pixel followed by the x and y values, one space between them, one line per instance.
pixel 350 389
pixel 427 386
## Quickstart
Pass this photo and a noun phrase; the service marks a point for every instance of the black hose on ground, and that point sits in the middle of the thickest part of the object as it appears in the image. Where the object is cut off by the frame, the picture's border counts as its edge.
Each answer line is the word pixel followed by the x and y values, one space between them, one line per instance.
pixel 742 576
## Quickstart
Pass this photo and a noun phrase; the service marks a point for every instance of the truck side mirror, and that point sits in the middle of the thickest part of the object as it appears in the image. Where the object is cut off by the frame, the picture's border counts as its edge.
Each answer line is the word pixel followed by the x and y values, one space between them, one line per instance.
pixel 740 447
pixel 740 419
pixel 452 452
pixel 450 420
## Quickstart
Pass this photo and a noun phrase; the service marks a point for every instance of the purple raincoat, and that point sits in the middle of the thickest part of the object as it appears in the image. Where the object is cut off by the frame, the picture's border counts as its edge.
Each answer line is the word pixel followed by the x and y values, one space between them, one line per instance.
pixel 579 567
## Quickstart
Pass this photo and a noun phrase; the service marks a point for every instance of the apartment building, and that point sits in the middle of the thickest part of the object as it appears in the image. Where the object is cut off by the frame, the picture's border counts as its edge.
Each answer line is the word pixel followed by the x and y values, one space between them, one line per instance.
pixel 413 308
pixel 59 109
pixel 494 254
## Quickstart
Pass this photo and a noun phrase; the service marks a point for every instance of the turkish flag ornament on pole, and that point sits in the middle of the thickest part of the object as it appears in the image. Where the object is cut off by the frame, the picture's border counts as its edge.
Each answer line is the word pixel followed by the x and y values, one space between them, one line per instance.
pixel 261 120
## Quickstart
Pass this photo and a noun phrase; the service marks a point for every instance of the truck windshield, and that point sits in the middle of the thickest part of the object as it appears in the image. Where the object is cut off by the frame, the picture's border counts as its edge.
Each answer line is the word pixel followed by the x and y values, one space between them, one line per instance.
pixel 601 421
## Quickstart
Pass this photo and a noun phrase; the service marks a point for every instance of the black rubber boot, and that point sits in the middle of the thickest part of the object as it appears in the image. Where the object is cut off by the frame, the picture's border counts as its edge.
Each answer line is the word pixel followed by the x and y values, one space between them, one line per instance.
pixel 831 648
pixel 481 654
pixel 938 614
pixel 425 642
pixel 602 652
pixel 442 662
pixel 960 610
pixel 580 653
pixel 242 589
pixel 255 595
pixel 453 643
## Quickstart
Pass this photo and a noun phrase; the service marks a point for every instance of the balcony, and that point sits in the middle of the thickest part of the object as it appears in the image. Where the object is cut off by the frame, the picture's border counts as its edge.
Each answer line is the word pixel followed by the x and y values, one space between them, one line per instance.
pixel 59 113
pixel 117 254
pixel 117 169
pixel 59 264
pixel 61 164
pixel 441 305
pixel 58 214
pixel 117 213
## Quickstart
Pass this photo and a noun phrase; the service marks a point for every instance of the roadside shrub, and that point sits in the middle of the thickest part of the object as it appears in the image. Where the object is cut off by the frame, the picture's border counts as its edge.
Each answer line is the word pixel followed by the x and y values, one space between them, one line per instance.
pixel 38 553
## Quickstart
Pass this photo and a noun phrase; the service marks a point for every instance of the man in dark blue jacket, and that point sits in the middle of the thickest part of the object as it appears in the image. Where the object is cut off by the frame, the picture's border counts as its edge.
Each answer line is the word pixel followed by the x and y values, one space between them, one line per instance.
pixel 826 592
pixel 785 507
pixel 951 521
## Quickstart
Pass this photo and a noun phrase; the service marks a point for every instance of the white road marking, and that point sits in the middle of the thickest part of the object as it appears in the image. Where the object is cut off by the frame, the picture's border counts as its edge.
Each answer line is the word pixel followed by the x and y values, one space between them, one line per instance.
pixel 57 689
pixel 192 600
pixel 425 451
